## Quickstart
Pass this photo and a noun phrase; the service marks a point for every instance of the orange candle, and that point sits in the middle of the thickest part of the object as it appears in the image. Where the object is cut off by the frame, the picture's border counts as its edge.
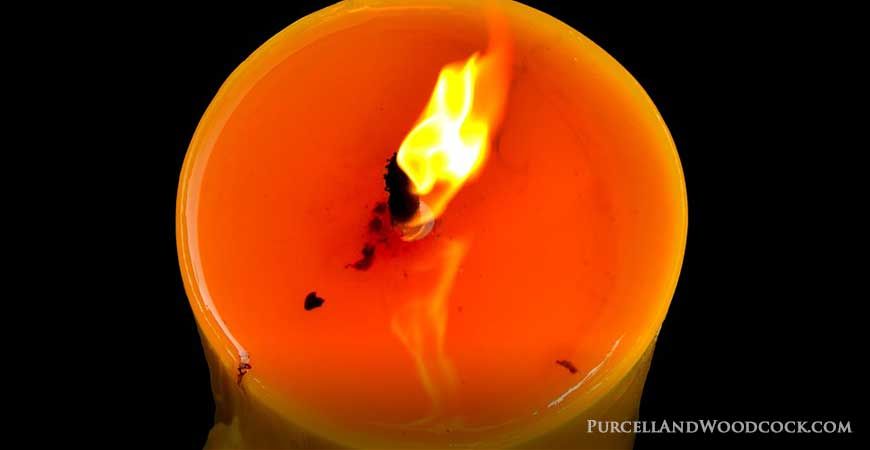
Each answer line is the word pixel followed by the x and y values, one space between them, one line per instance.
pixel 531 296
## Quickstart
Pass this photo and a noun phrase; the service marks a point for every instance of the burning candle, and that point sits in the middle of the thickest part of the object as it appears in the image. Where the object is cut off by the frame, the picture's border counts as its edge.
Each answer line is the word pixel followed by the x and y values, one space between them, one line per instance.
pixel 429 224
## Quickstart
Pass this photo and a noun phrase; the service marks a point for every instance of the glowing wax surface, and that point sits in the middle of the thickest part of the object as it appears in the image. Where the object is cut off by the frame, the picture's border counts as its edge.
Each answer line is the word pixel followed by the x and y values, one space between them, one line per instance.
pixel 567 245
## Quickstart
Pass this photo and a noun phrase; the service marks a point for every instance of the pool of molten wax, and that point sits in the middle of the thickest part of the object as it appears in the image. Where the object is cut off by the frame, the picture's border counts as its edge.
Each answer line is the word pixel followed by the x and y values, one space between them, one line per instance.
pixel 563 248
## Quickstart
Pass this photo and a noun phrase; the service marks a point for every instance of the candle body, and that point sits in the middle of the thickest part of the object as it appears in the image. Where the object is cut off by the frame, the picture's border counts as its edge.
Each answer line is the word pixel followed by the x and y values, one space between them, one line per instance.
pixel 566 247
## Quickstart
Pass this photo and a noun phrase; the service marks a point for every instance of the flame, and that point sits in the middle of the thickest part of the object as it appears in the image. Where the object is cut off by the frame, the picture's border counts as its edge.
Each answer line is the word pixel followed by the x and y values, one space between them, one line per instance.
pixel 449 144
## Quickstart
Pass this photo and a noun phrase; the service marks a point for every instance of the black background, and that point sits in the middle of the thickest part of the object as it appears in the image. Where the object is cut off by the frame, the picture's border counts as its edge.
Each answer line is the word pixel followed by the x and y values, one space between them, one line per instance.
pixel 764 323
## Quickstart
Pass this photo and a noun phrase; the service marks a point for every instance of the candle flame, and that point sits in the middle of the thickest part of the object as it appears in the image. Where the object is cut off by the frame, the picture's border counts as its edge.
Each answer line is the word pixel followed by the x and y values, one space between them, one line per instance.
pixel 449 144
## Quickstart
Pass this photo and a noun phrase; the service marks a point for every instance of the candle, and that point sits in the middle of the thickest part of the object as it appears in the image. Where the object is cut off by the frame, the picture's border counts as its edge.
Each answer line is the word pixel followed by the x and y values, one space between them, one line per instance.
pixel 501 305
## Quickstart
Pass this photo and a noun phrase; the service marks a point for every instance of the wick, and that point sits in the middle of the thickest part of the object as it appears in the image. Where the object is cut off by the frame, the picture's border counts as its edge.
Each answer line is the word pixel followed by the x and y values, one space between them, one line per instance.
pixel 403 203
pixel 408 213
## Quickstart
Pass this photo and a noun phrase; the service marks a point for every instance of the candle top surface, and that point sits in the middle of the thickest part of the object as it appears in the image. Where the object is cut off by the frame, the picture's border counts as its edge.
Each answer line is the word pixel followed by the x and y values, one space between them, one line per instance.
pixel 537 288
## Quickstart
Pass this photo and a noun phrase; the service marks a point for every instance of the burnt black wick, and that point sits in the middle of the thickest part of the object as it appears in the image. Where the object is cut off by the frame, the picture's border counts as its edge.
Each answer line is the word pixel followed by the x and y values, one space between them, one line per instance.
pixel 403 203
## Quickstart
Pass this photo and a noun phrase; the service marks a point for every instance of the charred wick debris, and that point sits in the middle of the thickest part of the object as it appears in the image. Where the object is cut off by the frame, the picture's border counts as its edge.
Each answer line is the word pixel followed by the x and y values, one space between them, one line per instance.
pixel 368 256
pixel 376 228
pixel 376 224
pixel 568 365
pixel 312 301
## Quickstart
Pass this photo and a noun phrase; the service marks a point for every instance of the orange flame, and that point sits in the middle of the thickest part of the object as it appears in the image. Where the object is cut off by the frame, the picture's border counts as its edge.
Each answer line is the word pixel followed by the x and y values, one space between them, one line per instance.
pixel 450 142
